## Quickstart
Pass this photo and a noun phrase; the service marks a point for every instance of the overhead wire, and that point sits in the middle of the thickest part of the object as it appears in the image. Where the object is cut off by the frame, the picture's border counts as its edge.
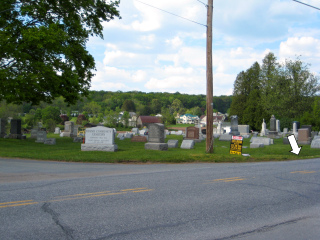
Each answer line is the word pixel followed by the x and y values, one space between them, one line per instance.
pixel 306 4
pixel 202 3
pixel 171 13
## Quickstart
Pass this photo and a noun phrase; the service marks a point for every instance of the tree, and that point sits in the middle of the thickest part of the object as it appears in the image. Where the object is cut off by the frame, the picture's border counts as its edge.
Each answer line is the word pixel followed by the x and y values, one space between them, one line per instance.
pixel 42 47
pixel 125 118
pixel 51 113
pixel 129 106
pixel 92 108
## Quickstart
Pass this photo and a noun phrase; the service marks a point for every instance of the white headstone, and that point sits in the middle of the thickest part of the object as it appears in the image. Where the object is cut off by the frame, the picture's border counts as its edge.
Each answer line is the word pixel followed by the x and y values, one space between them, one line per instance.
pixel 263 129
pixel 99 139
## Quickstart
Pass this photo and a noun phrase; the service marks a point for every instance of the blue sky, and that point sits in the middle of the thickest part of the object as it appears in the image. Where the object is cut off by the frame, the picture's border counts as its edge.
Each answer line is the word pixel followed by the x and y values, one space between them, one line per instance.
pixel 151 51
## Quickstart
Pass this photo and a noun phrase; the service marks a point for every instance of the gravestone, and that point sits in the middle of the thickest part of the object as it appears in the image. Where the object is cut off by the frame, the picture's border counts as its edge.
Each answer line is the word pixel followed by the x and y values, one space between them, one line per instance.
pixel 50 141
pixel 225 137
pixel 263 129
pixel 309 127
pixel 273 128
pixel 278 129
pixel 41 136
pixel 256 145
pixel 156 137
pixel 173 143
pixel 34 133
pixel 303 136
pixel 192 133
pixel 135 131
pixel 285 130
pixel 234 126
pixel 219 129
pixel 187 144
pixel 15 131
pixel 263 140
pixel 57 130
pixel 69 129
pixel 128 135
pixel 315 143
pixel 99 139
pixel 244 129
pixel 78 139
pixel 139 139
pixel 295 129
pixel 2 127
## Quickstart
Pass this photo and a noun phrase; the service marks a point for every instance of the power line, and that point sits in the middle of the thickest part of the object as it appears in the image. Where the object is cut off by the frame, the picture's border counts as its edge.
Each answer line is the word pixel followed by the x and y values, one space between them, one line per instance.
pixel 202 3
pixel 171 13
pixel 306 4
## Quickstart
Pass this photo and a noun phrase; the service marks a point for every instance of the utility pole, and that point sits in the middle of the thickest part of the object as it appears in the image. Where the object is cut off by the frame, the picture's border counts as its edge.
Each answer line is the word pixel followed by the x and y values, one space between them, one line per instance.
pixel 209 139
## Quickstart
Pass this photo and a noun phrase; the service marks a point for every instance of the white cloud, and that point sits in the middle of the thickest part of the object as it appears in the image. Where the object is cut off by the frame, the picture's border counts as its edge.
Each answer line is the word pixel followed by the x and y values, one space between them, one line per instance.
pixel 151 50
pixel 175 42
pixel 304 46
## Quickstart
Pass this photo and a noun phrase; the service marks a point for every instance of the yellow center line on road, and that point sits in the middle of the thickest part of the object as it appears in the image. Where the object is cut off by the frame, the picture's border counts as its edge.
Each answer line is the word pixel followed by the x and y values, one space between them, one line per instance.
pixel 234 179
pixel 83 194
pixel 304 172
pixel 75 197
pixel 17 203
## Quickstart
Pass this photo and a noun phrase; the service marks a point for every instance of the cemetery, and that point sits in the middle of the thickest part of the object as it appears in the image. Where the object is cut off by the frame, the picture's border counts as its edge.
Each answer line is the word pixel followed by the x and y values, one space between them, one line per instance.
pixel 158 145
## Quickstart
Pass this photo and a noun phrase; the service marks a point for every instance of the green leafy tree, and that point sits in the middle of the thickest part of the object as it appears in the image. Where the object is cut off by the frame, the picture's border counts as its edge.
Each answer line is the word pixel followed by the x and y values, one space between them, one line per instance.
pixel 129 106
pixel 42 47
pixel 155 106
pixel 92 108
pixel 125 118
pixel 51 113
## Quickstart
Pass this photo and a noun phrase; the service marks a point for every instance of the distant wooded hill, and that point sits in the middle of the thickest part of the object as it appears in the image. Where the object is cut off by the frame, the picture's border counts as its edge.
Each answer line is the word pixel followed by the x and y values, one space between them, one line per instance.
pixel 149 103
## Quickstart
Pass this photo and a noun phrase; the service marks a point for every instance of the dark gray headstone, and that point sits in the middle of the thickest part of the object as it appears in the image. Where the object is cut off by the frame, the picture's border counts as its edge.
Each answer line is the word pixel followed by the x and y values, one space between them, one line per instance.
pixel 2 127
pixel 15 126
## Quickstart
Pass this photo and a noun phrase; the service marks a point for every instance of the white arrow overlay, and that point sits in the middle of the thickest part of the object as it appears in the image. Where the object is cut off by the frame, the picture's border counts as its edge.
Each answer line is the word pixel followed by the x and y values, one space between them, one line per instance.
pixel 294 144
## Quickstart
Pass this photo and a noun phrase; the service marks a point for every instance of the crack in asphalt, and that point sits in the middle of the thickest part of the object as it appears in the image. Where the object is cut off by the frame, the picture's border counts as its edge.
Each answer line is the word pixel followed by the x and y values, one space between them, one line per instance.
pixel 266 228
pixel 55 217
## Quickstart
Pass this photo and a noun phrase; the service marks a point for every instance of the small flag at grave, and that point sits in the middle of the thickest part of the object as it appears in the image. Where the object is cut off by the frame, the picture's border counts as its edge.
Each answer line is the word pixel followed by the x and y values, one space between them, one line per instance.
pixel 236 145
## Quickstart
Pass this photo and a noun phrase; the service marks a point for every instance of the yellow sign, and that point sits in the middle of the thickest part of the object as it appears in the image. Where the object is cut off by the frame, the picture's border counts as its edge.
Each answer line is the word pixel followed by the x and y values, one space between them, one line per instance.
pixel 236 145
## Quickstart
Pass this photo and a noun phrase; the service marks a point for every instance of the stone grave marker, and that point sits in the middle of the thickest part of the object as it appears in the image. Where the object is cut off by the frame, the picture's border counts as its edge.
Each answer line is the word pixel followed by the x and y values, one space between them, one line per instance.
pixel 57 130
pixel 69 129
pixel 173 143
pixel 303 136
pixel 315 142
pixel 139 139
pixel 278 129
pixel 187 144
pixel 41 136
pixel 225 137
pixel 263 129
pixel 15 131
pixel 135 131
pixel 99 139
pixel 273 128
pixel 50 141
pixel 234 126
pixel 263 140
pixel 192 133
pixel 156 138
pixel 2 127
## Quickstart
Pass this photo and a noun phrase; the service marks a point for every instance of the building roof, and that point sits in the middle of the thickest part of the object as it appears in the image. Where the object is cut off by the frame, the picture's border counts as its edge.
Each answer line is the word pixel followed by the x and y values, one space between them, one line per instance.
pixel 149 119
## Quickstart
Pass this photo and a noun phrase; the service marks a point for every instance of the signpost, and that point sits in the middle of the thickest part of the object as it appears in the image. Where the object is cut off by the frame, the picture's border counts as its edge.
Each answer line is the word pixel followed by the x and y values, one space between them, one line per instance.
pixel 236 145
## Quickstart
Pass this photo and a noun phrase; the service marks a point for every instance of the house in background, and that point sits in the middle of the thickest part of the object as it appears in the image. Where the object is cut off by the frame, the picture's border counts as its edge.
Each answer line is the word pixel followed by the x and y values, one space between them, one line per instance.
pixel 217 117
pixel 144 121
pixel 188 119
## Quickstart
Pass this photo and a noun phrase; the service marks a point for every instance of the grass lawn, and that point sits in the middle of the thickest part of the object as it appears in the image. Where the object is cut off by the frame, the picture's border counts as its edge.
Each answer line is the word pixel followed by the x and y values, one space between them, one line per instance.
pixel 128 152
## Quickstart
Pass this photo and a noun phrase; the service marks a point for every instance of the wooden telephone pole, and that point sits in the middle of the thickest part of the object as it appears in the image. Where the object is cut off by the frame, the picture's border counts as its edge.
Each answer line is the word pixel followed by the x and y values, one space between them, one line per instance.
pixel 209 139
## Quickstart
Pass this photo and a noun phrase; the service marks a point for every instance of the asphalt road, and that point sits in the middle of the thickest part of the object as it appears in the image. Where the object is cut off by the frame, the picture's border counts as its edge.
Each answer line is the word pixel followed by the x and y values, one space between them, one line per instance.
pixel 53 200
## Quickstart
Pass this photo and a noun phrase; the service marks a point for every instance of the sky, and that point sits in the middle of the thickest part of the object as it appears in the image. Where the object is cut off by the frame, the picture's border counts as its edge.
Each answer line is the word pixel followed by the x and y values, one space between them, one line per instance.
pixel 149 50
